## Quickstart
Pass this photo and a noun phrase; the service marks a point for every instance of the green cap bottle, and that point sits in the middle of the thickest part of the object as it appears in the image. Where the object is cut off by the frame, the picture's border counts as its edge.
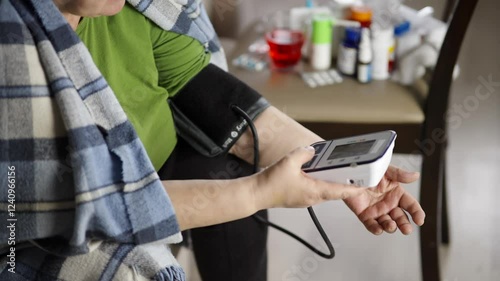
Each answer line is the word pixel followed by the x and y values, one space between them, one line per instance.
pixel 322 29
pixel 321 47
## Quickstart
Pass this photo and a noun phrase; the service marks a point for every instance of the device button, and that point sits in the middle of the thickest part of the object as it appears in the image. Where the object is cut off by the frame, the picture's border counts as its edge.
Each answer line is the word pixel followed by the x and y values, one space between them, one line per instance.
pixel 308 164
pixel 318 147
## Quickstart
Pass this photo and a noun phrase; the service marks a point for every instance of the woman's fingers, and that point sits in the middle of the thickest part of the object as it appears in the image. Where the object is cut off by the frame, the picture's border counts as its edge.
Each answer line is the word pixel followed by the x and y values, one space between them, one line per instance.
pixel 402 220
pixel 335 191
pixel 400 175
pixel 411 205
pixel 326 191
pixel 301 155
pixel 373 226
pixel 387 223
pixel 286 185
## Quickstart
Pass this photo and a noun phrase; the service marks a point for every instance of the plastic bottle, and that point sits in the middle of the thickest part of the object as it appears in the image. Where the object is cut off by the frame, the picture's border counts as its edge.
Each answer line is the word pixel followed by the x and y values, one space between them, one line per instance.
pixel 405 40
pixel 321 47
pixel 301 19
pixel 321 42
pixel 340 11
pixel 383 50
pixel 365 57
pixel 392 54
pixel 348 51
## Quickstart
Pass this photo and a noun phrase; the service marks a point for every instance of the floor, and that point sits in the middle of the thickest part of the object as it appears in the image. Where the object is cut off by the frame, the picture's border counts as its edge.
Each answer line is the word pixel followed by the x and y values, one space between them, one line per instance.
pixel 473 174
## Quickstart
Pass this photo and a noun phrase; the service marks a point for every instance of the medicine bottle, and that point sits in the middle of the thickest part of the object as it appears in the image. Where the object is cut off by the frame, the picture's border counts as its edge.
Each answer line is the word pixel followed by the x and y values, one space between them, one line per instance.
pixel 321 47
pixel 365 57
pixel 406 39
pixel 348 51
pixel 383 52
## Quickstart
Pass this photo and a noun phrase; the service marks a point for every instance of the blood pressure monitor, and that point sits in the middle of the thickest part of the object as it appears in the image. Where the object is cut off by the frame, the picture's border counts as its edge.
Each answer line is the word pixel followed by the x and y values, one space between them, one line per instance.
pixel 359 160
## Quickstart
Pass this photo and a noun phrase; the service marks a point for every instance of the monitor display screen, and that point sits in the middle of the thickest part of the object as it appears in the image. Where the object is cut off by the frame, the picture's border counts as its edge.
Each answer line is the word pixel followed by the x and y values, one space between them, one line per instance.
pixel 351 150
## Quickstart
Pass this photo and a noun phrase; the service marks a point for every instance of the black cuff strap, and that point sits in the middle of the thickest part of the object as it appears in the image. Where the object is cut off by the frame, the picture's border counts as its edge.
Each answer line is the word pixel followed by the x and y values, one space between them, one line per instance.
pixel 202 110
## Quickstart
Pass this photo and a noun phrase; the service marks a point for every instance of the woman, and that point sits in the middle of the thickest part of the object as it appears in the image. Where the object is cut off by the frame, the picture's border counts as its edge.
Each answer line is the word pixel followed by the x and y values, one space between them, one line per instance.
pixel 281 185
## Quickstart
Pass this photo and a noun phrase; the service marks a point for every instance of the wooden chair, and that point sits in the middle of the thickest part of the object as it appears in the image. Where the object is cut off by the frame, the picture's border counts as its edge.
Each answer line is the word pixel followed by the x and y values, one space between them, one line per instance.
pixel 417 117
pixel 433 186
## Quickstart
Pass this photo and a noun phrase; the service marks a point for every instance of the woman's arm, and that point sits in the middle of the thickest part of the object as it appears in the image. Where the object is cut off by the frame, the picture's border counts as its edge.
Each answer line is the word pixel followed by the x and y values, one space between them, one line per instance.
pixel 200 203
pixel 381 208
pixel 206 202
pixel 278 135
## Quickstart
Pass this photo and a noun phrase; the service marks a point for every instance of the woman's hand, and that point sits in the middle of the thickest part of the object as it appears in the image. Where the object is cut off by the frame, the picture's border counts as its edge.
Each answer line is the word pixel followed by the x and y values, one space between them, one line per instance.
pixel 380 208
pixel 384 207
pixel 284 184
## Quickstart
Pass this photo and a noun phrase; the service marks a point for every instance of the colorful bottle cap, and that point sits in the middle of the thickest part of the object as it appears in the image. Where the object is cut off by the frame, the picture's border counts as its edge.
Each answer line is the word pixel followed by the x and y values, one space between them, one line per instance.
pixel 322 29
pixel 402 28
pixel 362 14
pixel 353 34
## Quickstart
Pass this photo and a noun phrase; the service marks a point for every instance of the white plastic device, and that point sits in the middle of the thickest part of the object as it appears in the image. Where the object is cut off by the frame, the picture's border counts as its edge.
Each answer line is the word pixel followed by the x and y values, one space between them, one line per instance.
pixel 359 160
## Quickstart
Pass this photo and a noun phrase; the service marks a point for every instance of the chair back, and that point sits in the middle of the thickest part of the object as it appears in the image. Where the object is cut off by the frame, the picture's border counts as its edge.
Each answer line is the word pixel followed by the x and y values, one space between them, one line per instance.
pixel 439 87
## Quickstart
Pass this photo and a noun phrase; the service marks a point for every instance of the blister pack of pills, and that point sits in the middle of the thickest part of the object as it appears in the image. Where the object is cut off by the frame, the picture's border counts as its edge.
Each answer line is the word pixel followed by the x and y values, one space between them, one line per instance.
pixel 315 79
pixel 251 62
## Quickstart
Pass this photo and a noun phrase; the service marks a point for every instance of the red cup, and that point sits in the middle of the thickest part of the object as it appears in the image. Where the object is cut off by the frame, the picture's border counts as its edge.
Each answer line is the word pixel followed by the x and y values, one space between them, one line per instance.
pixel 285 46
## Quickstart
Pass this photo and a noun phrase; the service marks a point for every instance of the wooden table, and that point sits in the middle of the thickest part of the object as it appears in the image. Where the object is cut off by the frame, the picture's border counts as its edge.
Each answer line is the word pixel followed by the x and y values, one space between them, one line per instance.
pixel 376 103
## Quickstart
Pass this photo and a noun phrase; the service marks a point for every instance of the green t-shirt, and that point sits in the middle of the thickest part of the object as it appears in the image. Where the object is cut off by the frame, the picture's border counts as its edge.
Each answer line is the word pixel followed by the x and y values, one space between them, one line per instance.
pixel 144 65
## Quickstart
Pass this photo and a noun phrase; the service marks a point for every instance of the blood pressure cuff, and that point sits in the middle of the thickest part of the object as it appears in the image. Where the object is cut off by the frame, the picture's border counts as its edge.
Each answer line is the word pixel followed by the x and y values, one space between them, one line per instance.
pixel 203 113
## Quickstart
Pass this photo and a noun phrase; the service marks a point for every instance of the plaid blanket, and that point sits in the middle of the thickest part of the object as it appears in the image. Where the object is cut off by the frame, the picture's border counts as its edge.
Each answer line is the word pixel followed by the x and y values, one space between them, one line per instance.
pixel 80 199
pixel 184 17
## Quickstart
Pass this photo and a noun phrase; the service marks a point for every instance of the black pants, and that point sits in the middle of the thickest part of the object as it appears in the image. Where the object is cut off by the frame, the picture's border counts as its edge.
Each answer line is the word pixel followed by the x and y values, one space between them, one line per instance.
pixel 233 251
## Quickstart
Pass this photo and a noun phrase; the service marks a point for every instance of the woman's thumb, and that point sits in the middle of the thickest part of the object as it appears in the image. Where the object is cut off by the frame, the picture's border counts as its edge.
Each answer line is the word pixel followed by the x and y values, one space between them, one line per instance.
pixel 302 155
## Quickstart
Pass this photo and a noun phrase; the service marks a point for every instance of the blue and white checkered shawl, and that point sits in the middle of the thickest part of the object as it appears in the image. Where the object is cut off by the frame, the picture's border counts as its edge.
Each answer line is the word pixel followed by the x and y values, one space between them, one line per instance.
pixel 184 17
pixel 80 199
